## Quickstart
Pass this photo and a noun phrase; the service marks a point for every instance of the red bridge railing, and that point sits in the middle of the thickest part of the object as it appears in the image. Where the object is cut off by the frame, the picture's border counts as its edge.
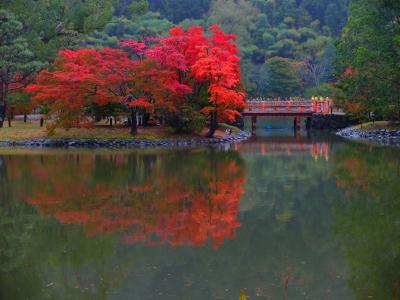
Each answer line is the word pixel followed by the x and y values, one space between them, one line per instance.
pixel 321 106
pixel 316 150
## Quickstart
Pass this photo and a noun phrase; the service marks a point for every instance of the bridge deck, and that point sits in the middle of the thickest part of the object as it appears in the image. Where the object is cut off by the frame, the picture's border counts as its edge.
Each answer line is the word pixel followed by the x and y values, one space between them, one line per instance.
pixel 278 114
pixel 287 108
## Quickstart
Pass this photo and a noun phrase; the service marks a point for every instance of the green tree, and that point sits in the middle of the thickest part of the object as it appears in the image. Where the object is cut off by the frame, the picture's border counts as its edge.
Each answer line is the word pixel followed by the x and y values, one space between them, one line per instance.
pixel 300 31
pixel 138 27
pixel 129 8
pixel 51 25
pixel 283 82
pixel 368 59
pixel 16 60
pixel 235 17
pixel 20 103
pixel 316 58
pixel 178 10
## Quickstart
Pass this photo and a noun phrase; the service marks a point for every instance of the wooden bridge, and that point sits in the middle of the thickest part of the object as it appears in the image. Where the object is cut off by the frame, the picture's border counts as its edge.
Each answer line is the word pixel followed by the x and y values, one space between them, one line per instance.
pixel 287 108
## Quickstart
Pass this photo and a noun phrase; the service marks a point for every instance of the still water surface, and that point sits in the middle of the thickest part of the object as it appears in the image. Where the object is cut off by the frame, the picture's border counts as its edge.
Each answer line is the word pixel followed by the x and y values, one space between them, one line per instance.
pixel 276 217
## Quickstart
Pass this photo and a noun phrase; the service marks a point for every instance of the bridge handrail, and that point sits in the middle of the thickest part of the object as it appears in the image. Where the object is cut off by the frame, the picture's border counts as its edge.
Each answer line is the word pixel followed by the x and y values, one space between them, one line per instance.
pixel 280 105
pixel 280 102
pixel 315 105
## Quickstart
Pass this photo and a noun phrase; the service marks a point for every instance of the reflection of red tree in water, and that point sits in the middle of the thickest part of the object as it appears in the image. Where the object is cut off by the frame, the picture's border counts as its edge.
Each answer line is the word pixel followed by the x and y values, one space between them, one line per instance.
pixel 164 207
pixel 363 169
pixel 354 174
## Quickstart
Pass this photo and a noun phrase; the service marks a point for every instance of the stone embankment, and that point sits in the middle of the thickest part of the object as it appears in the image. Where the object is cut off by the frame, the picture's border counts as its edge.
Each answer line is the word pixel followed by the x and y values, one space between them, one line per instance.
pixel 332 122
pixel 380 136
pixel 125 143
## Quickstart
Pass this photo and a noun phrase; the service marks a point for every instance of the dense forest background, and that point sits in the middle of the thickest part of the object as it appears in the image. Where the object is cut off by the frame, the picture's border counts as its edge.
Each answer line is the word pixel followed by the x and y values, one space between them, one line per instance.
pixel 286 45
pixel 348 49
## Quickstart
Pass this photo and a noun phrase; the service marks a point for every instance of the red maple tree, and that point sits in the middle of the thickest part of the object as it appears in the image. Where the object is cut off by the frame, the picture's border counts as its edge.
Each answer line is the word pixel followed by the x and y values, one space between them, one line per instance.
pixel 161 74
pixel 200 61
pixel 87 76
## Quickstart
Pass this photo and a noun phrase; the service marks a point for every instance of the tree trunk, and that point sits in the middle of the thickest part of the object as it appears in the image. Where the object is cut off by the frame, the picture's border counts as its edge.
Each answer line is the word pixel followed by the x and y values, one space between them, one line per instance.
pixel 133 122
pixel 2 114
pixel 398 108
pixel 213 125
pixel 146 119
pixel 3 102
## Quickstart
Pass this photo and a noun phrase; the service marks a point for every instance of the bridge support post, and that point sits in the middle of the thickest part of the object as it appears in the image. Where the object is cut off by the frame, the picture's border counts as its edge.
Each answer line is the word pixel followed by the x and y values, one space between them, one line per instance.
pixel 297 123
pixel 240 123
pixel 308 123
pixel 253 124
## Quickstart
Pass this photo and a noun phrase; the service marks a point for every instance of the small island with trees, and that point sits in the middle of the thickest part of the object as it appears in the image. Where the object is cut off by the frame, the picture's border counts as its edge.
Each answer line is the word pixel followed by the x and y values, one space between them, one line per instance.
pixel 98 69
pixel 182 81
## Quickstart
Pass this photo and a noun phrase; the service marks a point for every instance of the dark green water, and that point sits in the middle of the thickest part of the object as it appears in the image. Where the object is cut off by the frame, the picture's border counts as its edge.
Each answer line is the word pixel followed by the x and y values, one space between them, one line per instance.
pixel 276 218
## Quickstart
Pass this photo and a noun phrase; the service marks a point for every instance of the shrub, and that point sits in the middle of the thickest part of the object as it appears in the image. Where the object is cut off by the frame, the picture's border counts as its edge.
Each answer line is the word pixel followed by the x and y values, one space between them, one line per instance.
pixel 185 120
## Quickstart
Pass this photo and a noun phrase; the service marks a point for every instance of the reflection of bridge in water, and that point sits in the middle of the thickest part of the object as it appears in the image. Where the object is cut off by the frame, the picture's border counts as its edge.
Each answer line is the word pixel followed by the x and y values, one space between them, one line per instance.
pixel 287 108
pixel 284 146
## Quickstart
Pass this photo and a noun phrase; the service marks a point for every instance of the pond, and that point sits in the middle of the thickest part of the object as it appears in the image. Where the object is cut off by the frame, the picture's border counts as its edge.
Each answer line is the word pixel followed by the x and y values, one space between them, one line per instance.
pixel 276 217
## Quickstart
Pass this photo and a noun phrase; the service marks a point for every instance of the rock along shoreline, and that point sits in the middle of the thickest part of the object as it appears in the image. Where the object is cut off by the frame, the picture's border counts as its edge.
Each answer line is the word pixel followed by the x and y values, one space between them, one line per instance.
pixel 376 136
pixel 125 143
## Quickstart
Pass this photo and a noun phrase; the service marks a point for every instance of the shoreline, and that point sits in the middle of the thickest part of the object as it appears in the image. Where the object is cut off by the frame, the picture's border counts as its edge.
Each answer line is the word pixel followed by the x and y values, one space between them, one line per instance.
pixel 384 137
pixel 125 143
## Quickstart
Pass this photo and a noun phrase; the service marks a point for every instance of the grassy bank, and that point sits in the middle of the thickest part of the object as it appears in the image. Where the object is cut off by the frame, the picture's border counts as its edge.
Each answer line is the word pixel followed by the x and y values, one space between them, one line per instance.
pixel 32 130
pixel 378 125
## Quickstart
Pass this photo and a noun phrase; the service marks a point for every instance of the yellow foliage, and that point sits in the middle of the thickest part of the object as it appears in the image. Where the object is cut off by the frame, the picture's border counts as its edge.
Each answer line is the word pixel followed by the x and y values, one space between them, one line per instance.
pixel 243 295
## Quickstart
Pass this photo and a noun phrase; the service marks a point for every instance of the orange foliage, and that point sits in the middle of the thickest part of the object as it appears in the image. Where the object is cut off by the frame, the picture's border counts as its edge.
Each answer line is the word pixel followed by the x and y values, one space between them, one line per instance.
pixel 355 107
pixel 161 73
